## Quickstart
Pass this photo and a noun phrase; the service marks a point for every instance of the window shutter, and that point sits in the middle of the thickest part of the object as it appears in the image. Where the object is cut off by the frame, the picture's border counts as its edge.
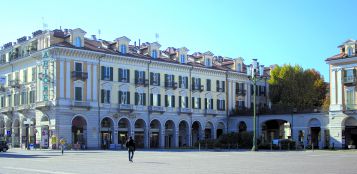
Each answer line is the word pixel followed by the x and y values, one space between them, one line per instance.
pixel 108 94
pixel 180 102
pixel 144 75
pixel 144 98
pixel 128 98
pixel 193 102
pixel 208 84
pixel 166 101
pixel 120 73
pixel 173 101
pixel 180 81
pixel 151 78
pixel 251 89
pixel 102 75
pixel 217 85
pixel 136 76
pixel 186 79
pixel 128 76
pixel 158 74
pixel 206 103
pixel 193 83
pixel 211 107
pixel 111 73
pixel 224 105
pixel 186 98
pixel 102 96
pixel 173 79
pixel 166 80
pixel 136 97
pixel 151 99
pixel 159 97
pixel 120 94
pixel 199 83
pixel 223 86
pixel 199 103
pixel 218 104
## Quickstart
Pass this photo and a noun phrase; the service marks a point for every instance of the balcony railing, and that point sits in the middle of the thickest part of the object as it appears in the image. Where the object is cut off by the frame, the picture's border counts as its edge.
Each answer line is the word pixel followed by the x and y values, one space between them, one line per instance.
pixel 210 112
pixel 185 110
pixel 349 80
pixel 124 80
pixel 220 89
pixel 171 85
pixel 156 109
pixel 197 88
pixel 42 104
pixel 125 108
pixel 142 82
pixel 14 83
pixel 241 92
pixel 81 104
pixel 79 75
pixel 351 107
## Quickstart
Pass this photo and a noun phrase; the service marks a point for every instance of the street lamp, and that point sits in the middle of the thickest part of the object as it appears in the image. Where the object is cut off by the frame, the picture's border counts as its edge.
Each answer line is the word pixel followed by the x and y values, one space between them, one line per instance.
pixel 255 72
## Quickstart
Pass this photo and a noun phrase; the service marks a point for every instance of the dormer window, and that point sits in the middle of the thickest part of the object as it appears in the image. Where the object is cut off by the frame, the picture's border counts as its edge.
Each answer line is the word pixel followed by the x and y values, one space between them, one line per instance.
pixel 77 42
pixel 350 51
pixel 123 49
pixel 208 62
pixel 239 67
pixel 154 54
pixel 182 59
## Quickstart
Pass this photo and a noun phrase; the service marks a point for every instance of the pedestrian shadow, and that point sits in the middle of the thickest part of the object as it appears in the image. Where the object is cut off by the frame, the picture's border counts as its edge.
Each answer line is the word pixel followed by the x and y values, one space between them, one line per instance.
pixel 154 163
pixel 14 155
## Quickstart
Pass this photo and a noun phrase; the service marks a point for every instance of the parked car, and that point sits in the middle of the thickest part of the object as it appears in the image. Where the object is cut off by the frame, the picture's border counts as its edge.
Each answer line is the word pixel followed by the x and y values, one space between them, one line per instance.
pixel 3 146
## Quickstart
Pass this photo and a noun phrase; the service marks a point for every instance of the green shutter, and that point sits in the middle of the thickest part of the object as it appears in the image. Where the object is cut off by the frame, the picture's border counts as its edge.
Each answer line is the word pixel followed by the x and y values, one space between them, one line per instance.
pixel 173 101
pixel 120 73
pixel 180 81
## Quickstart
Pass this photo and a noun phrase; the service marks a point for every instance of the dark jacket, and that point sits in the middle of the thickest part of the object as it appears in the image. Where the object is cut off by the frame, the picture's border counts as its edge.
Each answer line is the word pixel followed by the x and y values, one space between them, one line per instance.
pixel 130 144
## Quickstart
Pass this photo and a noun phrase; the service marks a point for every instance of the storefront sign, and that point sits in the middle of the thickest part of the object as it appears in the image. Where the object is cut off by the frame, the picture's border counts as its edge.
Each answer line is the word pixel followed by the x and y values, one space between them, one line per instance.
pixel 45 78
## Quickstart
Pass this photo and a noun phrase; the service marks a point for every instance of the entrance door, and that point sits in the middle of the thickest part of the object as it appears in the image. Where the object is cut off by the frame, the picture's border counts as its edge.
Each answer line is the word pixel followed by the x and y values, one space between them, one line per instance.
pixel 154 140
pixel 315 133
pixel 350 136
pixel 106 139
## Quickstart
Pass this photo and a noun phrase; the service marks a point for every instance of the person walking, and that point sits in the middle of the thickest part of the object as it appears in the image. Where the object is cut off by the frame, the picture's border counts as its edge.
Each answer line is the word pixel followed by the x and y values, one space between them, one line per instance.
pixel 130 144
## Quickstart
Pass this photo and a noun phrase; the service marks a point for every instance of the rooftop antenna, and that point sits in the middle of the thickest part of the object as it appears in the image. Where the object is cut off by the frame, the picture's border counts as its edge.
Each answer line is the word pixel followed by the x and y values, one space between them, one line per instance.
pixel 99 32
pixel 44 25
pixel 157 36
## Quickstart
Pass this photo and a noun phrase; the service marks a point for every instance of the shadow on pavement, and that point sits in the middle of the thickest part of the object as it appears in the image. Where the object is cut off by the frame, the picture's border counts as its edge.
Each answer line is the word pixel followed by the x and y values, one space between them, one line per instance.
pixel 15 155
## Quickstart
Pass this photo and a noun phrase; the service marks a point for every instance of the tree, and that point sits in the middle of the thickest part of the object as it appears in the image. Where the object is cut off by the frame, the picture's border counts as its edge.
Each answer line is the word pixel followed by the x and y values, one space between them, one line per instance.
pixel 295 87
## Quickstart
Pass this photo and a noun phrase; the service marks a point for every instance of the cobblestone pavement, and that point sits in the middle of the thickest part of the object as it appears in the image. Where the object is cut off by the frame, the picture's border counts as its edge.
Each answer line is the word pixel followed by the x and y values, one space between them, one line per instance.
pixel 192 162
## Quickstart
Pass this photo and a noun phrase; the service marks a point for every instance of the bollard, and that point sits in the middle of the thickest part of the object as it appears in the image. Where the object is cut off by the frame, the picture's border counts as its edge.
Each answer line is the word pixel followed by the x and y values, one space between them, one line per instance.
pixel 199 146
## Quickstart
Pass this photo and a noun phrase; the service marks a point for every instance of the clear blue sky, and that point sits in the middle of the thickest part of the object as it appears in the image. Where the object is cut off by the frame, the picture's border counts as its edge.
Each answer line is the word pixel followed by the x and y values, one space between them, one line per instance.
pixel 303 32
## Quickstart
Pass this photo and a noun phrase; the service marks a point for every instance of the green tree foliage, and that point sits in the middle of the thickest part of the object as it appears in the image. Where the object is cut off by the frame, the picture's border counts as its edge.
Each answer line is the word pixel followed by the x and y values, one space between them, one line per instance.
pixel 295 87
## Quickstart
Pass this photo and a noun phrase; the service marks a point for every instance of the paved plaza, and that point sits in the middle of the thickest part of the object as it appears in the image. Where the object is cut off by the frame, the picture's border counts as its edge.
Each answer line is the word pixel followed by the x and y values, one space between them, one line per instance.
pixel 191 162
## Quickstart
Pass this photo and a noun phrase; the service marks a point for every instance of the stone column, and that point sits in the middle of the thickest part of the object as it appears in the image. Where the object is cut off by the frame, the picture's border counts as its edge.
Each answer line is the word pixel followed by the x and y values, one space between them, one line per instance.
pixel 333 87
pixel 322 138
pixel 339 87
pixel 115 134
pixel 162 138
pixel 176 138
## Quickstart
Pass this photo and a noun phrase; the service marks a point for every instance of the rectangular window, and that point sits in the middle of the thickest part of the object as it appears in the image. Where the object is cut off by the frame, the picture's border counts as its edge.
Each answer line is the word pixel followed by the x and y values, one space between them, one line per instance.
pixel 16 99
pixel 124 97
pixel 32 96
pixel 23 98
pixel 9 100
pixel 140 99
pixel 196 103
pixel 155 99
pixel 208 103
pixel 34 71
pixel 78 94
pixel 105 96
pixel 155 79
pixel 2 101
pixel 139 77
pixel 221 105
pixel 107 73
pixel 17 76
pixel 196 83
pixel 24 75
pixel 78 67
pixel 169 101
pixel 169 80
pixel 208 81
pixel 124 75
pixel 183 82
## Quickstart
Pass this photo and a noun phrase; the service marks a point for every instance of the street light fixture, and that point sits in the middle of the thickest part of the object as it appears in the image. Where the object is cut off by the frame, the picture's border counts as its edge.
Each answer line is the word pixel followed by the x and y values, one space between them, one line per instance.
pixel 255 72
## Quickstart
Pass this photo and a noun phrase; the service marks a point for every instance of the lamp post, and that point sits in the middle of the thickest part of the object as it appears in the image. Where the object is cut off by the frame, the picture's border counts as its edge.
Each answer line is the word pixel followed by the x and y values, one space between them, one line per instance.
pixel 255 72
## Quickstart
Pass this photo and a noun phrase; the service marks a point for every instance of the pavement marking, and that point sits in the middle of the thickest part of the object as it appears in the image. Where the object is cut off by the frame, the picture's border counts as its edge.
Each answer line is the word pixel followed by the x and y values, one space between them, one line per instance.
pixel 36 170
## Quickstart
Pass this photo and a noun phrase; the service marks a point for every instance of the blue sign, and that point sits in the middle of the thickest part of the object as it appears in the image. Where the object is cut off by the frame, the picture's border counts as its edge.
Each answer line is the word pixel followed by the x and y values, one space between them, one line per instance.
pixel 8 132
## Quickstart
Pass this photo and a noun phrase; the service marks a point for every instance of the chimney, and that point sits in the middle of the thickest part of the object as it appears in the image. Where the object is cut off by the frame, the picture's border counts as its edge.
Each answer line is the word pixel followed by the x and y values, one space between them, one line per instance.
pixel 94 37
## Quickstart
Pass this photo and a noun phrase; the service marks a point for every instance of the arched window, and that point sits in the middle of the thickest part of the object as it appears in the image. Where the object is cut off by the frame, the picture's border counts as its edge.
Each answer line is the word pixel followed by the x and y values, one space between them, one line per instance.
pixel 123 49
pixel 154 54
pixel 350 51
pixel 78 42
pixel 239 67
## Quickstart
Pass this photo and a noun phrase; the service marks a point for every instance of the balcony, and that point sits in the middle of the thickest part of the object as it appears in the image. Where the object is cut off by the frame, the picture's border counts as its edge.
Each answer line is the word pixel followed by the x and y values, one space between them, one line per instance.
pixel 210 112
pixel 185 110
pixel 220 90
pixel 42 104
pixel 197 88
pixel 156 109
pixel 142 82
pixel 241 92
pixel 5 109
pixel 81 104
pixel 349 80
pixel 171 85
pixel 78 75
pixel 351 107
pixel 125 108
pixel 14 83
